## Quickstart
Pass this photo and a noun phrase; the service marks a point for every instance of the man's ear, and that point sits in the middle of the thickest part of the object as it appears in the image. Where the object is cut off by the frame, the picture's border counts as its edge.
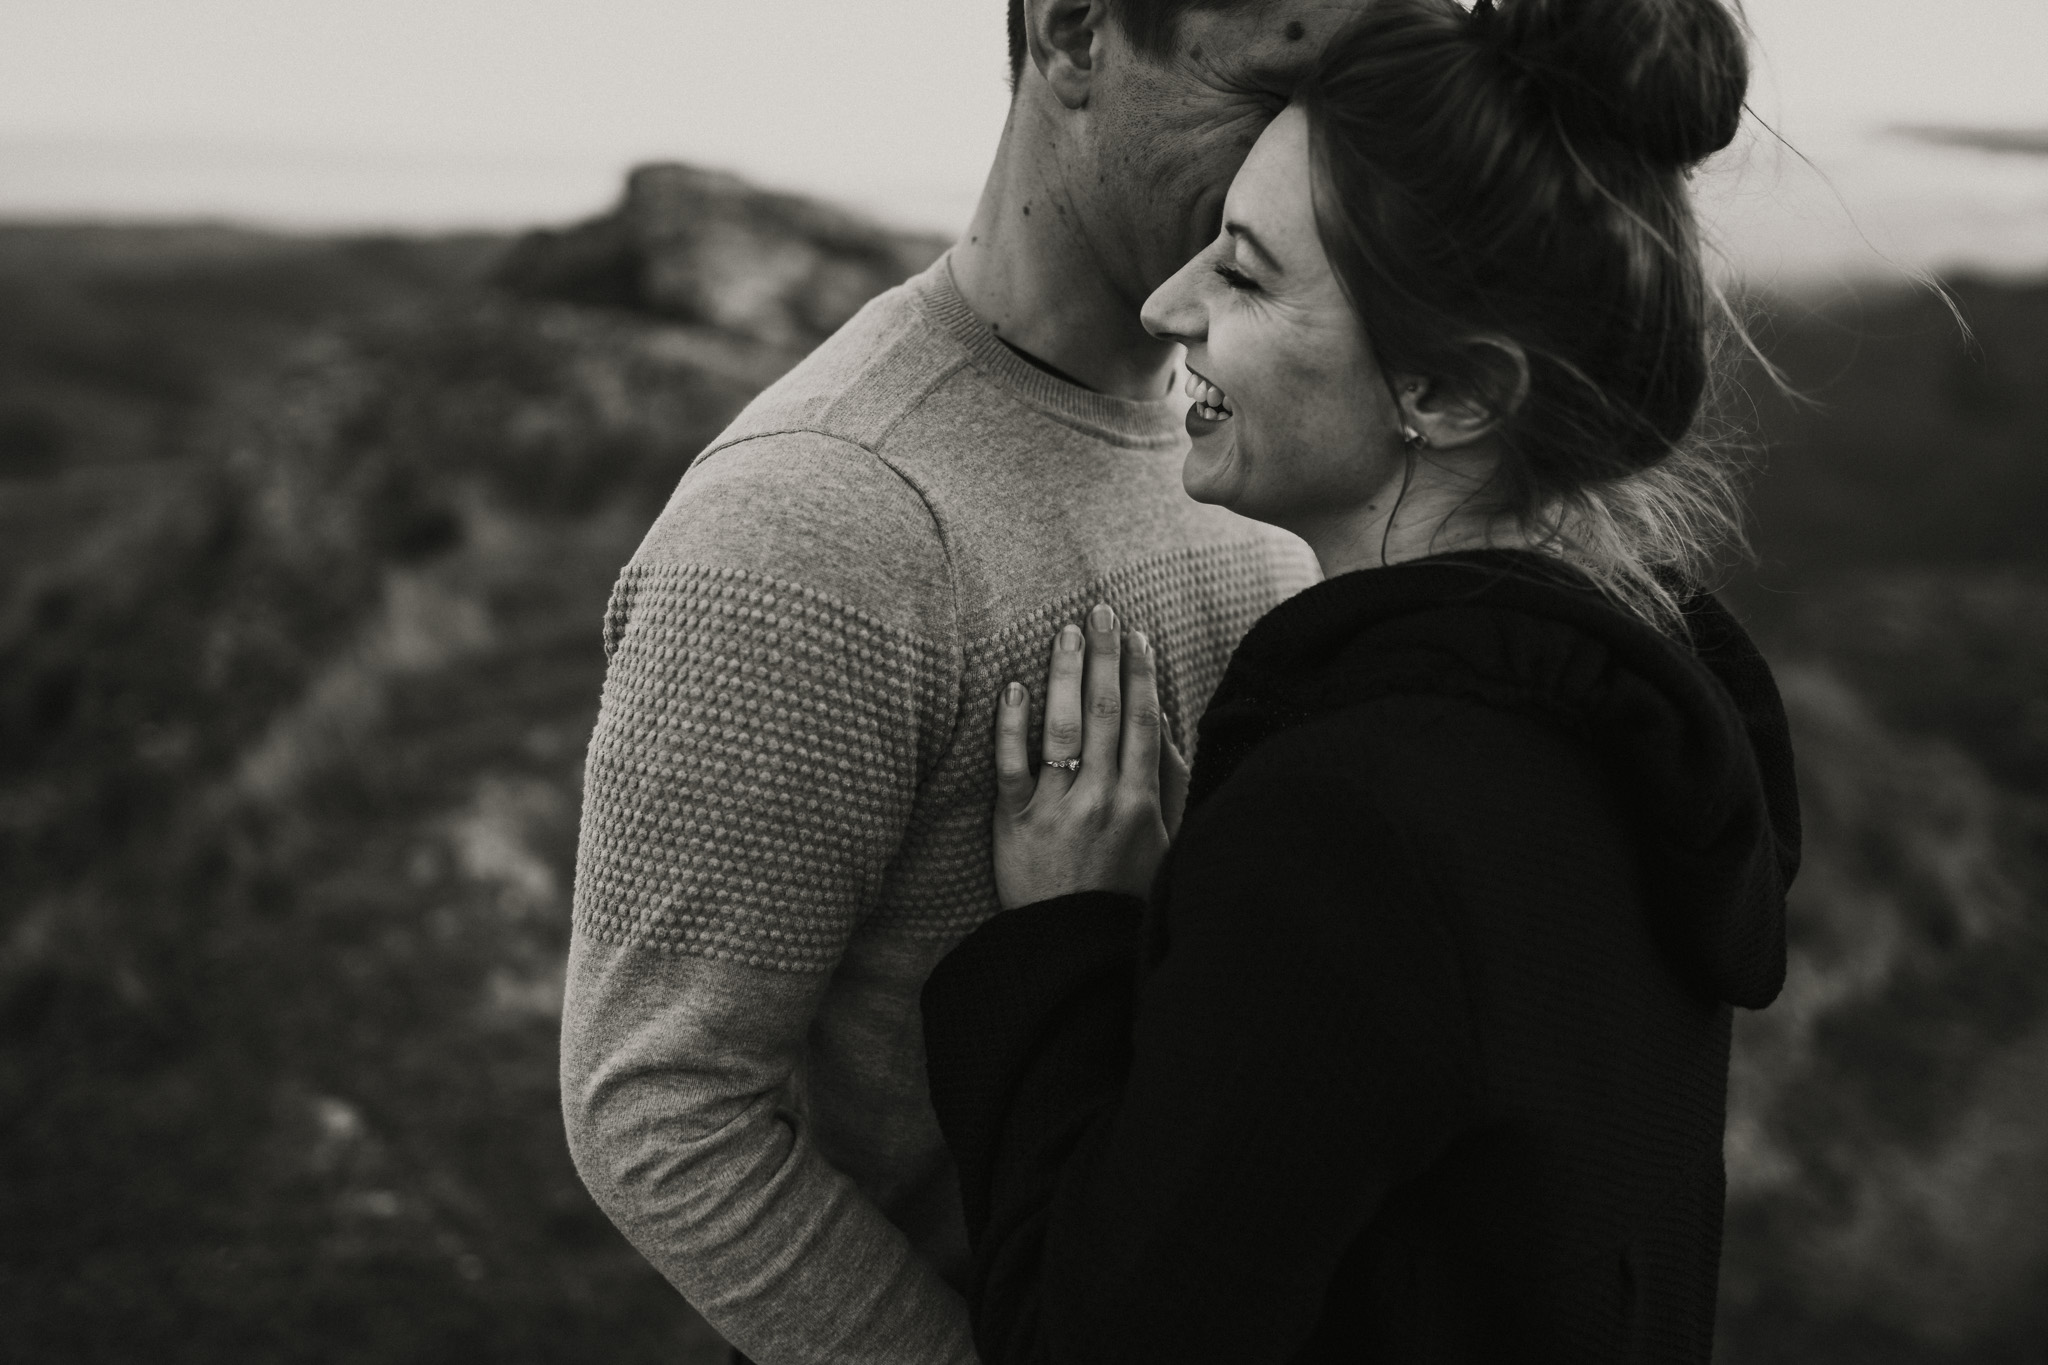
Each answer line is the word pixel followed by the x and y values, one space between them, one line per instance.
pixel 1450 414
pixel 1063 38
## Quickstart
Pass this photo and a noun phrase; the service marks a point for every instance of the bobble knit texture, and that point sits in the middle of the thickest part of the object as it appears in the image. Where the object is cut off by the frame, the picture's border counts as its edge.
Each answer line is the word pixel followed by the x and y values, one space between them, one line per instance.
pixel 762 742
pixel 788 796
pixel 735 809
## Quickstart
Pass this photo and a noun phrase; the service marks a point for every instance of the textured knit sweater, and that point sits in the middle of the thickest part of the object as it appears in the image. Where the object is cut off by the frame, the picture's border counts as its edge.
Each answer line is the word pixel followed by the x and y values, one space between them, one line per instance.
pixel 786 806
pixel 1419 1052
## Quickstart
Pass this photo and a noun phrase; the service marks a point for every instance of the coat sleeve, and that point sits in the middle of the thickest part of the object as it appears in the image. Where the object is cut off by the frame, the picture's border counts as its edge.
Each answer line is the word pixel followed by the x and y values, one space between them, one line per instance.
pixel 1175 1177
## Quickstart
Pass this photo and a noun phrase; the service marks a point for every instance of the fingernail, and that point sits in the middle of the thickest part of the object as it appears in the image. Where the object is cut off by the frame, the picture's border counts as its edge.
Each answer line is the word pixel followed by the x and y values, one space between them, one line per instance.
pixel 1102 618
pixel 1013 695
pixel 1070 638
pixel 1140 643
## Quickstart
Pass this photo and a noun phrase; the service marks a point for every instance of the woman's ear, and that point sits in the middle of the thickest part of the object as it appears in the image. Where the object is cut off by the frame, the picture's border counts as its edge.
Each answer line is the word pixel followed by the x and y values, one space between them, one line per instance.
pixel 1449 414
pixel 1061 37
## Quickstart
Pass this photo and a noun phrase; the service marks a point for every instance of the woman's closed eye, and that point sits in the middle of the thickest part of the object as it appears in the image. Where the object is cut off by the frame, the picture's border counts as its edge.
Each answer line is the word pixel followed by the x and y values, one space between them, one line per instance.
pixel 1236 278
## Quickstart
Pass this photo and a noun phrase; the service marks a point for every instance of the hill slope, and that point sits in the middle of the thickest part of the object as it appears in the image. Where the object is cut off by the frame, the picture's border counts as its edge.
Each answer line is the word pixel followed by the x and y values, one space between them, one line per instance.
pixel 304 545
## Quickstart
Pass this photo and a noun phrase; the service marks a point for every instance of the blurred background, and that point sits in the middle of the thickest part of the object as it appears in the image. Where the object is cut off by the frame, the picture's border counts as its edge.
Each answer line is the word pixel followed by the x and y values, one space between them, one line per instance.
pixel 341 366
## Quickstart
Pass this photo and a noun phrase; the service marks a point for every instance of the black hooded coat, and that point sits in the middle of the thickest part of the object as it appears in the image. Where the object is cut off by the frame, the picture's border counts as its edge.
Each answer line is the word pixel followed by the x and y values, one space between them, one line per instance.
pixel 1419 1051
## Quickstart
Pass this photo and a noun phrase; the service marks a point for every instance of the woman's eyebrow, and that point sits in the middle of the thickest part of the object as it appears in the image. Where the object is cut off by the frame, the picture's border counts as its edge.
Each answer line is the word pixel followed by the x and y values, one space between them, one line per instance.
pixel 1249 239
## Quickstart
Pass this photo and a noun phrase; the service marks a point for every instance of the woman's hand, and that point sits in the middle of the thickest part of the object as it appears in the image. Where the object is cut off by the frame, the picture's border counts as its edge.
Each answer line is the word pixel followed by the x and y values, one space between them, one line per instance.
pixel 1103 826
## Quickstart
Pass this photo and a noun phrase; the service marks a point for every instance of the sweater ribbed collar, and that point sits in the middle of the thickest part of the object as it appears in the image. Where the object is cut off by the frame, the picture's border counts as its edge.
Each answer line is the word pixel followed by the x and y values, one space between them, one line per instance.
pixel 1148 424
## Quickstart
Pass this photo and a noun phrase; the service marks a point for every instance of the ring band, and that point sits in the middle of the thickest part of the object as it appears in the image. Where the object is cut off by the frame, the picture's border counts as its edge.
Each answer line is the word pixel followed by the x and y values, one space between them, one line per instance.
pixel 1072 765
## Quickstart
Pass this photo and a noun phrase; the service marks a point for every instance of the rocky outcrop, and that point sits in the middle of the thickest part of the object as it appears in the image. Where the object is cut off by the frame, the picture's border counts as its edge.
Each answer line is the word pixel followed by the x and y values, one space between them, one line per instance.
pixel 707 248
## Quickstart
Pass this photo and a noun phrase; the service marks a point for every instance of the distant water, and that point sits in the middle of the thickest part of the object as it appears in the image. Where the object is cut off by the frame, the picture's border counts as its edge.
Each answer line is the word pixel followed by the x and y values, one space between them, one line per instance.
pixel 338 189
pixel 1873 201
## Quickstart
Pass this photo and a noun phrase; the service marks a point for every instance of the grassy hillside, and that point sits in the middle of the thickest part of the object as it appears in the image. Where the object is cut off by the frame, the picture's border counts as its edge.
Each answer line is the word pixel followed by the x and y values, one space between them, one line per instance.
pixel 303 548
pixel 306 544
pixel 1889 1145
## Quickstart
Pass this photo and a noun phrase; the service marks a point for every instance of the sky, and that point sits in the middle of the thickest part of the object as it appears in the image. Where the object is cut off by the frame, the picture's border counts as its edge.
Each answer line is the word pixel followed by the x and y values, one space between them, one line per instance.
pixel 503 113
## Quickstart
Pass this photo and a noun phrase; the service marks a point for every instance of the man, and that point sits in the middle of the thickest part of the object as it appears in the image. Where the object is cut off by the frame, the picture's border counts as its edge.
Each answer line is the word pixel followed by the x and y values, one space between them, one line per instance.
pixel 786 819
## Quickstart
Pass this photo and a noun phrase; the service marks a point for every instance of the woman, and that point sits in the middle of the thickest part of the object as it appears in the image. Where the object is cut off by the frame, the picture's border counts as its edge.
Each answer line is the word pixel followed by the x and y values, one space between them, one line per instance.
pixel 1414 1044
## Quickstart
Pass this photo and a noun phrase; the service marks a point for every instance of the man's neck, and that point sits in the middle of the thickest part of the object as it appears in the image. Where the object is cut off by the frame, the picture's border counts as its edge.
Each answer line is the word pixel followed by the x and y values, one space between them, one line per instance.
pixel 1026 268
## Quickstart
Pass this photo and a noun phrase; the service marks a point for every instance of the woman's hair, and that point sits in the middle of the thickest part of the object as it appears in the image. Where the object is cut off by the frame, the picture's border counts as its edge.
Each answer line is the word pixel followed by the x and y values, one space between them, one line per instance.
pixel 1519 173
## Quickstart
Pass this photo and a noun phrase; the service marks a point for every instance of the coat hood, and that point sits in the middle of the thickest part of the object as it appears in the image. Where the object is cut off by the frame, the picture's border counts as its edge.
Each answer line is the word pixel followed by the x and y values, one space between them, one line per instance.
pixel 1695 737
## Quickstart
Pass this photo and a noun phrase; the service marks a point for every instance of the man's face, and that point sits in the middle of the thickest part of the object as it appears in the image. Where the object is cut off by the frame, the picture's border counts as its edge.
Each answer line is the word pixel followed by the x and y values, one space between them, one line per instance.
pixel 1167 133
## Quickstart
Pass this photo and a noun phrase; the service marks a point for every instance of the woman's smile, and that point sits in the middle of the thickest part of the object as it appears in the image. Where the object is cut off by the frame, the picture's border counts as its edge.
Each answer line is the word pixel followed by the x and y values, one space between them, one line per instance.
pixel 1209 399
pixel 1211 407
pixel 1304 424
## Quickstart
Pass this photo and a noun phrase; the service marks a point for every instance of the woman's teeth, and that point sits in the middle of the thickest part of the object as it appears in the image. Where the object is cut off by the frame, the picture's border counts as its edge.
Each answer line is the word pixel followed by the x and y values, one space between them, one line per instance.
pixel 1209 400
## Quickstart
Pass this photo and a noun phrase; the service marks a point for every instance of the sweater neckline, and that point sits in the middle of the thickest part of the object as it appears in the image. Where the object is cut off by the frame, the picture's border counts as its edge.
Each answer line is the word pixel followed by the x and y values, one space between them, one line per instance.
pixel 1140 423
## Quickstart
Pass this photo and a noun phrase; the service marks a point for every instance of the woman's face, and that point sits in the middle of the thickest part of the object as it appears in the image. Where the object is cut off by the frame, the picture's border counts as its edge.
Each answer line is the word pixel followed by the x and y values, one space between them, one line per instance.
pixel 1293 423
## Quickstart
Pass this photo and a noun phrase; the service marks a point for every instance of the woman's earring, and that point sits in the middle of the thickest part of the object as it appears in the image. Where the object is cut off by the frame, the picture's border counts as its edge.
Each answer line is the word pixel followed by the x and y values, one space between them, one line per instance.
pixel 1410 437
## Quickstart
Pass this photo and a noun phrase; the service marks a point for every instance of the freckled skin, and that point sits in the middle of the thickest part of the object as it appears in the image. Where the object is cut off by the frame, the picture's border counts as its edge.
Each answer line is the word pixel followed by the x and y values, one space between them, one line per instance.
pixel 1134 151
pixel 1169 132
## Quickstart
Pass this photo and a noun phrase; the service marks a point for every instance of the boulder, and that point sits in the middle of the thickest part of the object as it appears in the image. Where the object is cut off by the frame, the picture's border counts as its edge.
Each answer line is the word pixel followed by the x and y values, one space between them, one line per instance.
pixel 707 248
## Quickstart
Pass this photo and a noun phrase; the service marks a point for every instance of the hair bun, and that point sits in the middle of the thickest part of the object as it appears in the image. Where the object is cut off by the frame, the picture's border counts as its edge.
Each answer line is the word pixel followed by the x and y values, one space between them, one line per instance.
pixel 1664 77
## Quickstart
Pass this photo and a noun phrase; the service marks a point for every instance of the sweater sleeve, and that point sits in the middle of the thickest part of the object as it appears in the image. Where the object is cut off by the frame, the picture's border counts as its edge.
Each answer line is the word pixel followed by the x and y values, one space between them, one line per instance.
pixel 1175 1179
pixel 780 678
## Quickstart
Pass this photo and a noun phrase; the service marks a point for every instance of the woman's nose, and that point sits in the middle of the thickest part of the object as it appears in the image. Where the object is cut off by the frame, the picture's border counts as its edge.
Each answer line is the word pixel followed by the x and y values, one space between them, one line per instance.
pixel 1175 312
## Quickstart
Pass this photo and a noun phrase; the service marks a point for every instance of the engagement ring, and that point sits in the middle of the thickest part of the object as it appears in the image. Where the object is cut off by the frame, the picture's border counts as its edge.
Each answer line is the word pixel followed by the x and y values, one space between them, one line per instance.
pixel 1072 765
